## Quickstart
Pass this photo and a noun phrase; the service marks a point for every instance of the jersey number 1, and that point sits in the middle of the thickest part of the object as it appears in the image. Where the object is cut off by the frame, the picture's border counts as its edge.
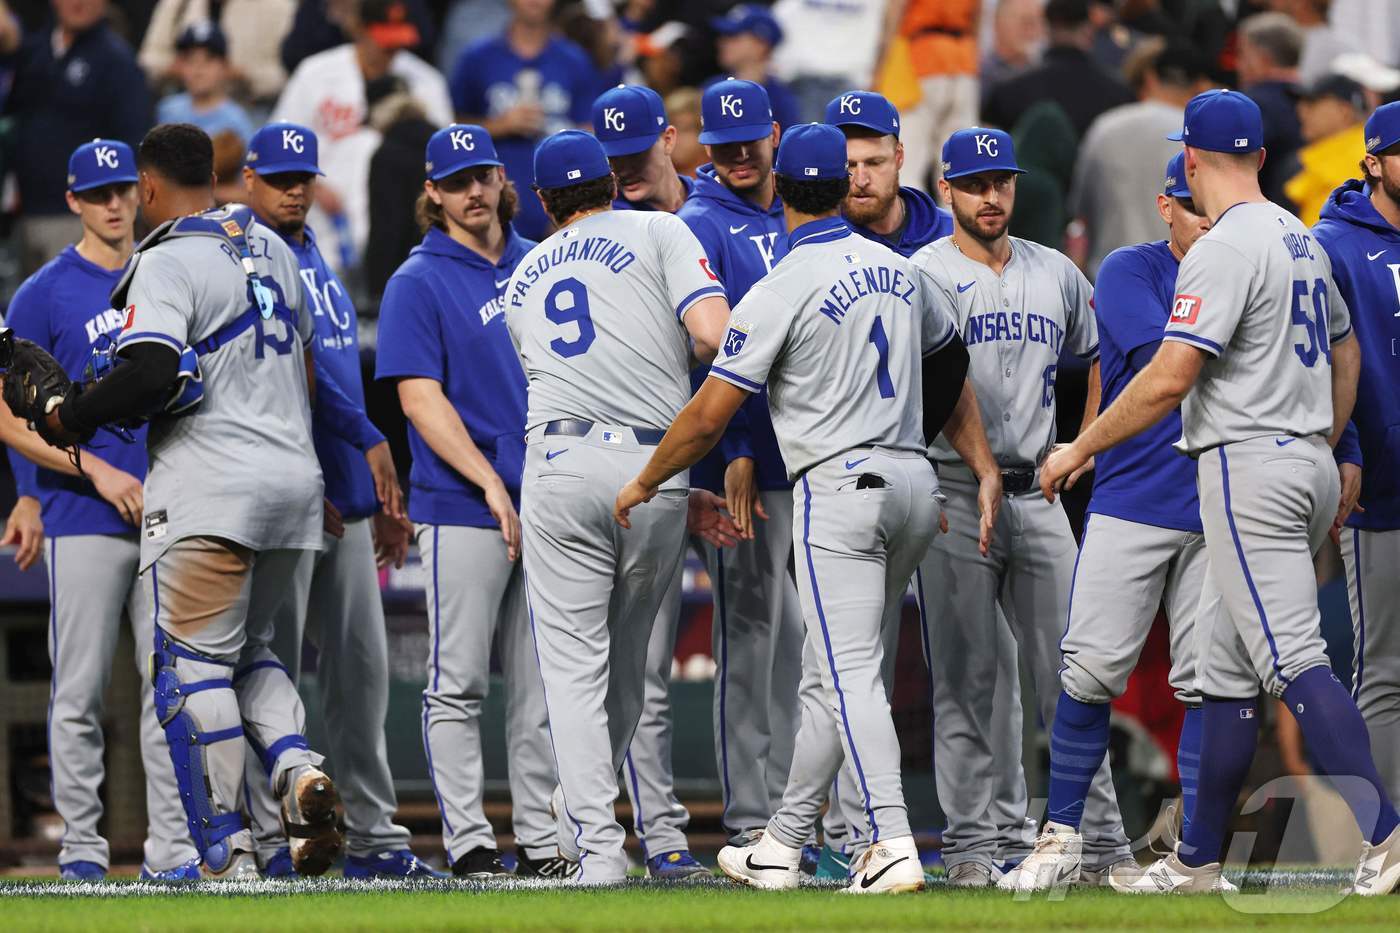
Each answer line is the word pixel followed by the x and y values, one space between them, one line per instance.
pixel 882 364
pixel 567 303
pixel 1314 325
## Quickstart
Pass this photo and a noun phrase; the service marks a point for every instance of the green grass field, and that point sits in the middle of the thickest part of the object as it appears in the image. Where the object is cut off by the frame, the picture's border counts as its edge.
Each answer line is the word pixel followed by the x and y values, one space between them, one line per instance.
pixel 338 905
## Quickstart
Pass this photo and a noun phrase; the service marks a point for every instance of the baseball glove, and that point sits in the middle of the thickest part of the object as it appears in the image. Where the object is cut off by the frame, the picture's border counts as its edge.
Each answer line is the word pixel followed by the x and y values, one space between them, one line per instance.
pixel 35 384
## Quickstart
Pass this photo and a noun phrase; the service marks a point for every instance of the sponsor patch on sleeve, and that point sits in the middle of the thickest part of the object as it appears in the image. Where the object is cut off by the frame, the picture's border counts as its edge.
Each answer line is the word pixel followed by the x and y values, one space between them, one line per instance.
pixel 1185 309
pixel 130 317
pixel 705 264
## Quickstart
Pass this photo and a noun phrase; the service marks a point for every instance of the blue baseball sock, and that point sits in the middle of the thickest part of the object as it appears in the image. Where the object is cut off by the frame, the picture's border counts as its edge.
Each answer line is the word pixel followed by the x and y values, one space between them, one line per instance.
pixel 1336 736
pixel 1188 763
pixel 1229 732
pixel 1078 743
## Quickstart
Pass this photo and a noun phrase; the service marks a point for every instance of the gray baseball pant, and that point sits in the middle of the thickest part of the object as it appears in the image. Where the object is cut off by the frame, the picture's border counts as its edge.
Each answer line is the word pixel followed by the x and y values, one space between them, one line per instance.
pixel 92 588
pixel 1027 574
pixel 1266 510
pixel 858 548
pixel 336 603
pixel 594 591
pixel 1372 560
pixel 477 594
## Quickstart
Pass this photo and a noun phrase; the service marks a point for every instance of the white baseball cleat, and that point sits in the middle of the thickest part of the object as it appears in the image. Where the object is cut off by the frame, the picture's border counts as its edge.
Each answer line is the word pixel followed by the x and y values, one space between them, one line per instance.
pixel 969 875
pixel 766 864
pixel 1171 876
pixel 1053 863
pixel 1125 870
pixel 241 867
pixel 1378 870
pixel 888 867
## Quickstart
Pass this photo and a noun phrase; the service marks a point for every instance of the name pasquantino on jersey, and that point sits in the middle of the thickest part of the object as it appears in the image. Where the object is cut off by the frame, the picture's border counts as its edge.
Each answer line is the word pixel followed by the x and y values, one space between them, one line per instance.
pixel 1014 326
pixel 598 249
pixel 859 283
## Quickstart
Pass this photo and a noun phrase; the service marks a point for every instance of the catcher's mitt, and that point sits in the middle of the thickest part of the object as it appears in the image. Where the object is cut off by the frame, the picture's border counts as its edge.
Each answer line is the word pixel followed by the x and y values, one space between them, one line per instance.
pixel 35 384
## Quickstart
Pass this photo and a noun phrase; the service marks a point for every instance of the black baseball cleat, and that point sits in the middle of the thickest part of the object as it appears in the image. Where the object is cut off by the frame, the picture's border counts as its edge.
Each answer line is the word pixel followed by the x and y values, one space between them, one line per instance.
pixel 479 865
pixel 553 867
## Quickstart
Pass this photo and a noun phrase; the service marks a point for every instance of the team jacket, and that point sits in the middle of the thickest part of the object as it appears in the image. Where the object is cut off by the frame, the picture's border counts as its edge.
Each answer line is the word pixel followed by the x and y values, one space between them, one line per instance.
pixel 63 308
pixel 1365 253
pixel 340 427
pixel 743 243
pixel 924 222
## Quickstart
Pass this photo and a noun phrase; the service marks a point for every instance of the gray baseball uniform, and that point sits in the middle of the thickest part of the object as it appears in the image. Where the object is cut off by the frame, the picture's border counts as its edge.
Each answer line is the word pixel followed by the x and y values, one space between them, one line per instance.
pixel 232 498
pixel 1370 557
pixel 1257 420
pixel 1014 325
pixel 836 332
pixel 595 312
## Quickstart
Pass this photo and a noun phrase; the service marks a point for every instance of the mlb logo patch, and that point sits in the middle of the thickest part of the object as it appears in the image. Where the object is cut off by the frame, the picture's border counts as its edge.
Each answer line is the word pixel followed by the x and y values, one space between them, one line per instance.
pixel 1241 142
pixel 1185 308
pixel 612 437
pixel 809 171
pixel 574 173
pixel 734 340
pixel 851 259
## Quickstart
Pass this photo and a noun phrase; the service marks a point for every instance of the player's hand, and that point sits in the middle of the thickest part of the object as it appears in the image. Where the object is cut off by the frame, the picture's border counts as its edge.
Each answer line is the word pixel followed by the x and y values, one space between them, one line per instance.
pixel 989 493
pixel 120 488
pixel 503 510
pixel 1064 459
pixel 631 496
pixel 331 521
pixel 386 479
pixel 705 518
pixel 942 522
pixel 1074 477
pixel 391 536
pixel 25 530
pixel 1351 492
pixel 741 496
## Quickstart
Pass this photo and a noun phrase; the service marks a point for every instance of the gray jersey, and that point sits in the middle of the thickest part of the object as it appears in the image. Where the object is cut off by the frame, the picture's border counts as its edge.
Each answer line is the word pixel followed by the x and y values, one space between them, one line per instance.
pixel 836 330
pixel 242 466
pixel 1014 325
pixel 595 312
pixel 1256 293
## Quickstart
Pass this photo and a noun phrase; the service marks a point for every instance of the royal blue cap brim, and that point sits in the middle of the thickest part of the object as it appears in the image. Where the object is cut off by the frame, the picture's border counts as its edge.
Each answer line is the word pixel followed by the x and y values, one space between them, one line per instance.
pixel 282 168
pixel 880 128
pixel 1178 136
pixel 129 178
pixel 1180 192
pixel 454 169
pixel 750 133
pixel 615 148
pixel 979 169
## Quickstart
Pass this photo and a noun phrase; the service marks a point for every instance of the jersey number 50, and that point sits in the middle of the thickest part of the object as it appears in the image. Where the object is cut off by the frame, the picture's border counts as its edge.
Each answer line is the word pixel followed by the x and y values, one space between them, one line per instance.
pixel 1314 325
pixel 567 303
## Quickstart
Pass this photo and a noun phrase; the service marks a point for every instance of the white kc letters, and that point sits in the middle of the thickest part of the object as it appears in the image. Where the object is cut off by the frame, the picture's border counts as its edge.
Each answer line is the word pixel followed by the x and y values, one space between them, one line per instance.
pixel 731 105
pixel 986 144
pixel 293 140
pixel 850 104
pixel 614 119
pixel 461 139
pixel 106 156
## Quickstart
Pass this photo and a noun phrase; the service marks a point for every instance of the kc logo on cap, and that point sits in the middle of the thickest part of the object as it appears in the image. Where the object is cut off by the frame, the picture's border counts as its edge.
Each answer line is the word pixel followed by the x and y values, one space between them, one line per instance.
pixel 457 147
pixel 979 149
pixel 628 119
pixel 280 148
pixel 735 111
pixel 101 162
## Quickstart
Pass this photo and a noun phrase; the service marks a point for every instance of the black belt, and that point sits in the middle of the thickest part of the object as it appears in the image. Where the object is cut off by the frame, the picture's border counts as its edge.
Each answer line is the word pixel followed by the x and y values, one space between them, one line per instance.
pixel 1016 482
pixel 575 427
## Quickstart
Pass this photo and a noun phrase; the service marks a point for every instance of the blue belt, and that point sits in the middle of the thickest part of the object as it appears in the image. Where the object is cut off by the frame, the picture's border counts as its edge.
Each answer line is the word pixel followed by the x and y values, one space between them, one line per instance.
pixel 574 427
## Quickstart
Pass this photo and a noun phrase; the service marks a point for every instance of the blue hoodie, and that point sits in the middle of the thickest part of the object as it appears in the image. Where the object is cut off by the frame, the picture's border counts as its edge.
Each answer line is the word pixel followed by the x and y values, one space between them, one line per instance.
pixel 441 318
pixel 743 242
pixel 340 427
pixel 1355 236
pixel 924 222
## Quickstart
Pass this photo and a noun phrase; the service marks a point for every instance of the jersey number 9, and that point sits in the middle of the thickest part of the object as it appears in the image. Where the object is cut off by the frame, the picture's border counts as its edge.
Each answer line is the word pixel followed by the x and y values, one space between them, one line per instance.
pixel 567 303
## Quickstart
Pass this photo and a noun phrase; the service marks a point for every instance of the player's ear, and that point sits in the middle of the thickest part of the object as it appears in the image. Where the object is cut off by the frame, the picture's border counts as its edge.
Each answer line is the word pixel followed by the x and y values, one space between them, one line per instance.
pixel 668 139
pixel 898 155
pixel 777 132
pixel 1263 154
pixel 72 201
pixel 432 192
pixel 1164 208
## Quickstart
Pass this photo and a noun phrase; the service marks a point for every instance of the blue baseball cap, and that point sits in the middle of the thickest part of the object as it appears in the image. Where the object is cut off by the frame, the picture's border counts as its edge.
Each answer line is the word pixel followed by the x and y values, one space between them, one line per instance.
pixel 1175 184
pixel 734 111
pixel 101 162
pixel 569 157
pixel 283 147
pixel 455 147
pixel 752 18
pixel 628 119
pixel 864 108
pixel 1222 121
pixel 1383 128
pixel 979 149
pixel 812 152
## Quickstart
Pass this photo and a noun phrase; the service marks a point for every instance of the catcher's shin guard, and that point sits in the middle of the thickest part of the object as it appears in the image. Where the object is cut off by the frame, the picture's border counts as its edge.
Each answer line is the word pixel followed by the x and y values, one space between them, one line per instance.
pixel 211 821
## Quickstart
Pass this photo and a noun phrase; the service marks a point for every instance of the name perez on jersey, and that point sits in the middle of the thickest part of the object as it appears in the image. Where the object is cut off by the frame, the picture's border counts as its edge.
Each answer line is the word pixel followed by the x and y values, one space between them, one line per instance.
pixel 1014 326
pixel 859 283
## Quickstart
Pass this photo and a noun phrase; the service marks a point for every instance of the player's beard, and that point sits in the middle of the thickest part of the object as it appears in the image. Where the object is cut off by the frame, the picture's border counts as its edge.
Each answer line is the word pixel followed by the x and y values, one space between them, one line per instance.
pixel 863 214
pixel 988 229
pixel 1391 186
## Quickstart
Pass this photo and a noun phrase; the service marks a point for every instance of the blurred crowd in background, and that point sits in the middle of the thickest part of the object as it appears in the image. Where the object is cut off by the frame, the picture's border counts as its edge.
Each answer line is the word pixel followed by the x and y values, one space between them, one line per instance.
pixel 1088 88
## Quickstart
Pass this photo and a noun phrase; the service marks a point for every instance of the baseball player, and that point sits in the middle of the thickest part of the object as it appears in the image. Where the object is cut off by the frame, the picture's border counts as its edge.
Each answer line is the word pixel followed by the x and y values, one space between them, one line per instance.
pixel 443 338
pixel 600 313
pixel 344 615
pixel 906 219
pixel 630 123
pixel 91 518
pixel 220 541
pixel 756 634
pixel 837 330
pixel 1142 547
pixel 1258 355
pixel 1018 305
pixel 1360 230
